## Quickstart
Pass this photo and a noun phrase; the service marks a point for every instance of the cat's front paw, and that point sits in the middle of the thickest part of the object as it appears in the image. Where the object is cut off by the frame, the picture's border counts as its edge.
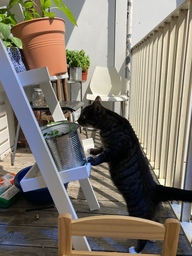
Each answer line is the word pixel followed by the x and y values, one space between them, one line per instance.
pixel 132 250
pixel 93 161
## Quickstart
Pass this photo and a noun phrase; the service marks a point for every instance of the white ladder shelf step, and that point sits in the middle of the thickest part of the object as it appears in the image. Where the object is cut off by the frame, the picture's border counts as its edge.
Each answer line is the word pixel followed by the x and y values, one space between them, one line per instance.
pixel 13 85
pixel 33 179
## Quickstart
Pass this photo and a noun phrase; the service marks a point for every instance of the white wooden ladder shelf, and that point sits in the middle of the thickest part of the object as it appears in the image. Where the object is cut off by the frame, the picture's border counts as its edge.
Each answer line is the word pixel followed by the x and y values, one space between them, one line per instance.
pixel 13 83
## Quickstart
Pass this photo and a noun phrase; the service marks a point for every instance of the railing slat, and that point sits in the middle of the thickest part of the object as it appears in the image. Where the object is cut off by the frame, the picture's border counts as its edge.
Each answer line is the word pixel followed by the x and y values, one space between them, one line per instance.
pixel 181 41
pixel 157 91
pixel 161 99
pixel 183 120
pixel 141 90
pixel 152 92
pixel 168 97
pixel 162 94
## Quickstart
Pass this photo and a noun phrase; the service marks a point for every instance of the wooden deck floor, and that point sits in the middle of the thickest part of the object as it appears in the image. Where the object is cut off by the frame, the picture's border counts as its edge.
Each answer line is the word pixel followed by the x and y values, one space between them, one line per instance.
pixel 25 229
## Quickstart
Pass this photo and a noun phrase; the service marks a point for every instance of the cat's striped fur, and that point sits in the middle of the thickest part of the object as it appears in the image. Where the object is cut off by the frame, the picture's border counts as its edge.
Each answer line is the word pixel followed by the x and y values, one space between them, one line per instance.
pixel 129 169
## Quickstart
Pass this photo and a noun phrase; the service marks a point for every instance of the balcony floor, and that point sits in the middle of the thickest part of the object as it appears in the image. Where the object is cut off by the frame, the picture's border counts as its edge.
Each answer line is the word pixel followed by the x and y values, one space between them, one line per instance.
pixel 25 229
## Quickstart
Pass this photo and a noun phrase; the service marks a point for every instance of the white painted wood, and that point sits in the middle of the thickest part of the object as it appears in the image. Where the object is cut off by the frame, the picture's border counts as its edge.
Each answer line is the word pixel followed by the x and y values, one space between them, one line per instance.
pixel 185 108
pixel 2 110
pixel 4 136
pixel 36 76
pixel 106 82
pixel 3 117
pixel 145 79
pixel 141 98
pixel 186 209
pixel 5 151
pixel 34 180
pixel 135 78
pixel 89 193
pixel 177 89
pixel 168 98
pixel 3 122
pixel 33 134
pixel 152 93
pixel 4 132
pixel 162 95
pixel 186 131
pixel 40 79
pixel 87 145
pixel 171 134
pixel 137 89
pixel 148 93
pixel 132 92
pixel 156 97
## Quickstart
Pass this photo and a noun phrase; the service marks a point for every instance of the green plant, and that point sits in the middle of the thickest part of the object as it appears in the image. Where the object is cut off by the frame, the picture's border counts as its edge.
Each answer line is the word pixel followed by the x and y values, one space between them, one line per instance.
pixel 78 59
pixel 40 8
pixel 85 61
pixel 52 134
pixel 56 133
pixel 31 10
pixel 6 22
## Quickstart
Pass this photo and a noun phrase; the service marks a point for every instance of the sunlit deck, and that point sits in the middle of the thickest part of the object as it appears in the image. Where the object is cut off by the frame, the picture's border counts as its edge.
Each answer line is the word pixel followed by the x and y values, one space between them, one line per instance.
pixel 26 229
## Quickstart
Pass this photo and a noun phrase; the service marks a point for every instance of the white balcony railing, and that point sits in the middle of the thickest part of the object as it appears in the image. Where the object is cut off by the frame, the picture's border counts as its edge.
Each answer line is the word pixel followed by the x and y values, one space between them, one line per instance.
pixel 161 101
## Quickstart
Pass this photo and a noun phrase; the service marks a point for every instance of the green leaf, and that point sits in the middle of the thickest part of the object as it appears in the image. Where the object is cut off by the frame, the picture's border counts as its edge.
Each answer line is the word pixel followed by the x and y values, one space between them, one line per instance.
pixel 61 6
pixel 49 14
pixel 29 5
pixel 5 30
pixel 47 4
pixel 30 12
pixel 7 43
pixel 69 15
pixel 16 41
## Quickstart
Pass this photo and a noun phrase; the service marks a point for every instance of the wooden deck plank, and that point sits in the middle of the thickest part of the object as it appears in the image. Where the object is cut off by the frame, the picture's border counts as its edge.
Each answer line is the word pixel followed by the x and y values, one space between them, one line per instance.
pixel 25 251
pixel 25 236
pixel 27 230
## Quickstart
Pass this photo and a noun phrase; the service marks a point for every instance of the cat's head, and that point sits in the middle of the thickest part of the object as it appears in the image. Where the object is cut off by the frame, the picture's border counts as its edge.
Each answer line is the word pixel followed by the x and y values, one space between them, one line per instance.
pixel 91 116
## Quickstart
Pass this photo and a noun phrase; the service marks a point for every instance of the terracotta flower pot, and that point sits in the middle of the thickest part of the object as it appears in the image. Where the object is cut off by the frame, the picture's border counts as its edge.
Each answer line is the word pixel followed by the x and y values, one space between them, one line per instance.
pixel 43 43
pixel 84 75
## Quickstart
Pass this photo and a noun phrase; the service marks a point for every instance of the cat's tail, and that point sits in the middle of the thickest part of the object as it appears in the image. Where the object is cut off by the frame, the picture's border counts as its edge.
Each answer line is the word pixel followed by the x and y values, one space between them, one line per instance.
pixel 163 194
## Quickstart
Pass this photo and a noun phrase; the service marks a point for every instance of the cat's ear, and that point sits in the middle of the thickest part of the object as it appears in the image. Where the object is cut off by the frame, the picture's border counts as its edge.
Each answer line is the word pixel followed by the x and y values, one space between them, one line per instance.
pixel 97 106
pixel 98 98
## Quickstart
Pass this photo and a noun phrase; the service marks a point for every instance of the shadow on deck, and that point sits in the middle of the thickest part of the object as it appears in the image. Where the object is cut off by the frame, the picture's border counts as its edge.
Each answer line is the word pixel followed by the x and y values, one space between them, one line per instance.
pixel 26 229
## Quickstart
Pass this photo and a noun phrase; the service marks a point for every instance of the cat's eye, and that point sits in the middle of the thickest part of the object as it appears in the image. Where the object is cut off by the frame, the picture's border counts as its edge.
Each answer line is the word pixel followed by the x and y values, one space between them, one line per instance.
pixel 84 117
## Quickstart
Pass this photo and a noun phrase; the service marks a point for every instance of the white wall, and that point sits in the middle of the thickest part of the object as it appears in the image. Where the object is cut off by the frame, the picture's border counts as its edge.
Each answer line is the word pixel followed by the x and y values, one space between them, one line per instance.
pixel 147 14
pixel 7 130
pixel 101 32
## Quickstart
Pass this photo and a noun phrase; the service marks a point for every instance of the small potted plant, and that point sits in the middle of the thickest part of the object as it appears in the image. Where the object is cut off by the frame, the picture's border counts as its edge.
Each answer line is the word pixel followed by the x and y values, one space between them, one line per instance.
pixel 74 64
pixel 85 64
pixel 78 63
pixel 41 24
pixel 12 43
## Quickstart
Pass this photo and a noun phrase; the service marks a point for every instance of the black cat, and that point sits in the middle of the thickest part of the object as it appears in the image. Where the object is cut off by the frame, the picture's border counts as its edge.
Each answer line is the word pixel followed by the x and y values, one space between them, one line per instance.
pixel 129 169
